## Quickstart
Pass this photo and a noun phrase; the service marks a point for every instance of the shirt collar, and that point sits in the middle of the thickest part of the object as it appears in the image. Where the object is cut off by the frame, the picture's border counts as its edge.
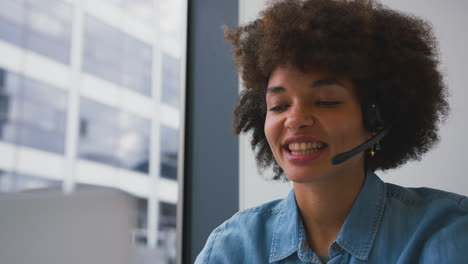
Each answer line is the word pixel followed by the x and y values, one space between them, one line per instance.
pixel 357 234
pixel 287 235
pixel 360 227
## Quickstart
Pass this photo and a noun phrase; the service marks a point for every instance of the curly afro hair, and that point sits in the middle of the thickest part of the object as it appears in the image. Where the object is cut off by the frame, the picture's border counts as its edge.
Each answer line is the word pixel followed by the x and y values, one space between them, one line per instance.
pixel 389 55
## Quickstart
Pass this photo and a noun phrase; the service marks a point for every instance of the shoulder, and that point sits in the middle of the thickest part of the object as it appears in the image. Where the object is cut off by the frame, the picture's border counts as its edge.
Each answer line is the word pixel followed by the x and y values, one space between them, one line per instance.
pixel 266 209
pixel 436 218
pixel 243 236
pixel 424 205
pixel 449 243
pixel 425 197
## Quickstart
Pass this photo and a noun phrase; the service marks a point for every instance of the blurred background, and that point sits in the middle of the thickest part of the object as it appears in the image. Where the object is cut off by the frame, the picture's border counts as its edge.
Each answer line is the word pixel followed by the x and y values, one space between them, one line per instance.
pixel 91 94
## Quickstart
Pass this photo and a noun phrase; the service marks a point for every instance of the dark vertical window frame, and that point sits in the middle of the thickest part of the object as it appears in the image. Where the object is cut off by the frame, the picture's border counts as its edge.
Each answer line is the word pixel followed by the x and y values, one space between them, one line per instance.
pixel 211 182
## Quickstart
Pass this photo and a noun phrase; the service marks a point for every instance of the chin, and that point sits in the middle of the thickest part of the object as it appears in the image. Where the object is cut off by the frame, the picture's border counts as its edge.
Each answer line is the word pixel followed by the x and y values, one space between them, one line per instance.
pixel 302 176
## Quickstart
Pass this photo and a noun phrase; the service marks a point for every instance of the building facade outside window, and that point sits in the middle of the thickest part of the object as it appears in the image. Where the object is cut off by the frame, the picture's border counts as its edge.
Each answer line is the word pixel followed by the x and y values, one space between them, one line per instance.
pixel 32 113
pixel 93 90
pixel 41 26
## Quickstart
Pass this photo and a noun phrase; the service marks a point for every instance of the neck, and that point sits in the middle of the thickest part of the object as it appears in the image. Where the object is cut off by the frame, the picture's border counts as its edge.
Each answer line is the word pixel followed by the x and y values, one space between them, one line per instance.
pixel 324 206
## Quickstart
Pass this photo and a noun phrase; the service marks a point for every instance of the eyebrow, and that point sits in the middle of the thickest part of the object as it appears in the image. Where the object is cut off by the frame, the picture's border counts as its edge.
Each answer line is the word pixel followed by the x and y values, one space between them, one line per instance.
pixel 325 82
pixel 316 84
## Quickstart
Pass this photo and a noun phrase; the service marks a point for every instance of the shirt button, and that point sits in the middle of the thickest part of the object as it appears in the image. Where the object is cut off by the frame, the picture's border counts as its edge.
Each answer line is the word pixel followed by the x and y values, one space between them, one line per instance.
pixel 335 247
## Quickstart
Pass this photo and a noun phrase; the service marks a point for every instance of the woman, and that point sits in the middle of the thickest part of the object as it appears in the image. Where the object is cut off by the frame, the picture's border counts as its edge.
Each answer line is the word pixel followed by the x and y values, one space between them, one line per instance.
pixel 325 80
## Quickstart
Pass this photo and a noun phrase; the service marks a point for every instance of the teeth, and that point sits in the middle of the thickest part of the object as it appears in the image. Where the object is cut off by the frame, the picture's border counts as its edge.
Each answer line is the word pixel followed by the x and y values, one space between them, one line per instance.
pixel 303 152
pixel 305 147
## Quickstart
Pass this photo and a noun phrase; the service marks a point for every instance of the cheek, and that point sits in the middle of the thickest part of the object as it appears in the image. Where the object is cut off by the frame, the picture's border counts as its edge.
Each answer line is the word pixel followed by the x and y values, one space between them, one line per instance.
pixel 346 129
pixel 272 130
pixel 354 131
pixel 268 130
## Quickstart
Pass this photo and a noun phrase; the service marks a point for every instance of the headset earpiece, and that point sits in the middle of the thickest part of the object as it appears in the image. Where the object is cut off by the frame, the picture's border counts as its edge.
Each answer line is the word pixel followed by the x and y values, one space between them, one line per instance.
pixel 374 123
pixel 372 118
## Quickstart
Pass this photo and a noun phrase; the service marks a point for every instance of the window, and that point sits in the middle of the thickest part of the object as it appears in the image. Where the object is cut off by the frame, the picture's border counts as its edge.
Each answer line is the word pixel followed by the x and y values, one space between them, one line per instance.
pixel 43 26
pixel 134 142
pixel 113 137
pixel 115 56
pixel 15 182
pixel 170 80
pixel 32 113
pixel 98 132
pixel 167 231
pixel 169 149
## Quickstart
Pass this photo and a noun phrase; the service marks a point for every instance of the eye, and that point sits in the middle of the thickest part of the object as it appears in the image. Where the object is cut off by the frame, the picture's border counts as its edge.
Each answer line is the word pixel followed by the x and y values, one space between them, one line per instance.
pixel 327 103
pixel 278 108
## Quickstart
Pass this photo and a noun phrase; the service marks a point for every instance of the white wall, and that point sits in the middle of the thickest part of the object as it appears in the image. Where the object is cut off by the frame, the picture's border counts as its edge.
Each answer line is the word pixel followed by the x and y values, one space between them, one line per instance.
pixel 444 166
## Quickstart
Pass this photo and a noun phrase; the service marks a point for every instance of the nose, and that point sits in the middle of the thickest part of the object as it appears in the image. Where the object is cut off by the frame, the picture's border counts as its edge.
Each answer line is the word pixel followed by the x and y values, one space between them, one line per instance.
pixel 299 118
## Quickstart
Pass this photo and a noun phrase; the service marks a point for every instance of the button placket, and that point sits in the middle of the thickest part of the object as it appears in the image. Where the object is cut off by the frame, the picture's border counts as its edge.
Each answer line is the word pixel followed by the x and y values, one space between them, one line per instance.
pixel 335 247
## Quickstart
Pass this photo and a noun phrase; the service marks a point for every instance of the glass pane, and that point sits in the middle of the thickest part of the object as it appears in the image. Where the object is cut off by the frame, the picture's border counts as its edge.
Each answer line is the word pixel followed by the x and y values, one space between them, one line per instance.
pixel 44 93
pixel 137 66
pixel 6 181
pixel 9 82
pixel 116 56
pixel 103 46
pixel 167 232
pixel 142 222
pixel 169 150
pixel 15 182
pixel 32 113
pixel 13 11
pixel 5 105
pixel 48 46
pixel 34 136
pixel 102 68
pixel 170 80
pixel 130 121
pixel 9 105
pixel 98 112
pixel 133 148
pixel 98 132
pixel 43 116
pixel 48 28
pixel 7 130
pixel 24 182
pixel 39 115
pixel 58 9
pixel 43 26
pixel 12 19
pixel 133 151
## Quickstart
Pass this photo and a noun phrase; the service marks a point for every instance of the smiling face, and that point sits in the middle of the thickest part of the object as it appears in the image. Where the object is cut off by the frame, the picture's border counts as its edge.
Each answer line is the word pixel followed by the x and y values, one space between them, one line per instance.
pixel 311 117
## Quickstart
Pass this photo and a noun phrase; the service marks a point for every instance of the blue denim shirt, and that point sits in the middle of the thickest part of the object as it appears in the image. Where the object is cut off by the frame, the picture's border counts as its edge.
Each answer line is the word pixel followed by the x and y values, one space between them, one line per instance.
pixel 387 224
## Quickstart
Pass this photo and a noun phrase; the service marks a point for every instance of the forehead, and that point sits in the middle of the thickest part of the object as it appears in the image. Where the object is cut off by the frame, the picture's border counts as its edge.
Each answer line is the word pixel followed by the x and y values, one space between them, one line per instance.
pixel 289 77
pixel 284 73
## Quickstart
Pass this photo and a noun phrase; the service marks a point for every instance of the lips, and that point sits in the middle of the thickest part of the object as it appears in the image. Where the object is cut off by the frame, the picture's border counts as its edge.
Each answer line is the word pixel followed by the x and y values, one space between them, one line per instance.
pixel 303 148
pixel 303 143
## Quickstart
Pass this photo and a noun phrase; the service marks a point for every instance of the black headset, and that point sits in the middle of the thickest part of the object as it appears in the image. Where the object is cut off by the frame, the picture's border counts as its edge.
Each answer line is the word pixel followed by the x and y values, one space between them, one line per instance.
pixel 374 123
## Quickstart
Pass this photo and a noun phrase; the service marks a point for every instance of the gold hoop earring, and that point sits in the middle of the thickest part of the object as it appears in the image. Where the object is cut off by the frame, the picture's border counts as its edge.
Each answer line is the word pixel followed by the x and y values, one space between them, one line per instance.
pixel 372 152
pixel 377 148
